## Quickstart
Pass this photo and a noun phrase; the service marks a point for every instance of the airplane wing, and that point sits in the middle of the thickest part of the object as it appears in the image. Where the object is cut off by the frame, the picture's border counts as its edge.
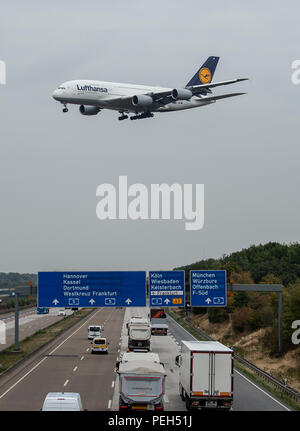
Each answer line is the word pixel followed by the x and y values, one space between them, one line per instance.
pixel 222 96
pixel 165 96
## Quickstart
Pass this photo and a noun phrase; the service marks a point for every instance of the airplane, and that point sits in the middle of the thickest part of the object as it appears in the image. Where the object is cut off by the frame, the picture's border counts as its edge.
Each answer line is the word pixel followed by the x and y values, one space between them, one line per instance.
pixel 142 100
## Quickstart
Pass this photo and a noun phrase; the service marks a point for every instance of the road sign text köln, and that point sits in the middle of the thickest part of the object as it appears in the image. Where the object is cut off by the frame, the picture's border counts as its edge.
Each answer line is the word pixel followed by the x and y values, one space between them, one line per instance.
pixel 208 288
pixel 92 289
pixel 166 288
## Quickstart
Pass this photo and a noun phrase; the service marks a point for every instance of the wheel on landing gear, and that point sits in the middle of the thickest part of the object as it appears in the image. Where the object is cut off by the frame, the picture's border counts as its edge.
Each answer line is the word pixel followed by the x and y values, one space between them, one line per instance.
pixel 65 110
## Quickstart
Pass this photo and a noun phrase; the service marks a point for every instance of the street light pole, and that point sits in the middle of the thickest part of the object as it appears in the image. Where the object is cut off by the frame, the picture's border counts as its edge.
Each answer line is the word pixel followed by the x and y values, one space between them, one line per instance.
pixel 17 347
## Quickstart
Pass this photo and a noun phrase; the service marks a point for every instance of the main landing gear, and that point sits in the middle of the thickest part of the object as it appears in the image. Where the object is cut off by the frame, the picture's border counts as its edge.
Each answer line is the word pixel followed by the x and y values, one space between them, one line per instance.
pixel 144 115
pixel 123 117
pixel 65 108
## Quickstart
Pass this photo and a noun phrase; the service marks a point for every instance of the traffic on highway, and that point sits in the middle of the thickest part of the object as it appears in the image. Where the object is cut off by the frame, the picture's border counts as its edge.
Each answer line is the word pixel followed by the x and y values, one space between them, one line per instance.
pixel 133 369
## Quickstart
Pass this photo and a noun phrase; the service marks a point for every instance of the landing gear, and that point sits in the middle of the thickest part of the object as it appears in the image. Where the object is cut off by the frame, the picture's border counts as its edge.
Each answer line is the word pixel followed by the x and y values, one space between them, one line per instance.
pixel 144 115
pixel 65 108
pixel 123 117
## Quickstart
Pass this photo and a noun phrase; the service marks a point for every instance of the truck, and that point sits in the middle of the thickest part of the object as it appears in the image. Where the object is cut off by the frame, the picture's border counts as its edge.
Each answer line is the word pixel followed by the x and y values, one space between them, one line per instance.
pixel 159 324
pixel 136 320
pixel 139 335
pixel 205 375
pixel 141 381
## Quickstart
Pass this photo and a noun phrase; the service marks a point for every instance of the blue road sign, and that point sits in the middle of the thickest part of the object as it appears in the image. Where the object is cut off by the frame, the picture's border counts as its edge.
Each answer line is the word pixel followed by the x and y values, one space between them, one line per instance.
pixel 166 288
pixel 92 289
pixel 208 288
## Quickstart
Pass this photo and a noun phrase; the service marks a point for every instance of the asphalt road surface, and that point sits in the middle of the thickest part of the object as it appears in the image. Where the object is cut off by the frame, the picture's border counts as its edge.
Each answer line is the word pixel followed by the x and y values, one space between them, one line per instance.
pixel 67 365
pixel 248 396
pixel 29 323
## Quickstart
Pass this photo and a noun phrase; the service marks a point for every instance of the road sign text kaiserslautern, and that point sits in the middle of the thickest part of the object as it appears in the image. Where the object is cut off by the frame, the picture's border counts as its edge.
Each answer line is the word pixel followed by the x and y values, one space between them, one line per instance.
pixel 208 288
pixel 166 288
pixel 92 289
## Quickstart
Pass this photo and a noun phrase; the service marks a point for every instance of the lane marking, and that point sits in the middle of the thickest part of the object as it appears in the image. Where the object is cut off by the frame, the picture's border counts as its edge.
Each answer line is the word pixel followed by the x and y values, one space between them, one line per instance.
pixel 113 384
pixel 266 393
pixel 109 404
pixel 42 360
pixel 282 405
pixel 66 382
pixel 75 369
pixel 81 358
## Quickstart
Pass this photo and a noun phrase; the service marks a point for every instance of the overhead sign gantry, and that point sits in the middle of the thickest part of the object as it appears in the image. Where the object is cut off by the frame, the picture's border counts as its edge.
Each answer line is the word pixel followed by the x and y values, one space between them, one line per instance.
pixel 92 289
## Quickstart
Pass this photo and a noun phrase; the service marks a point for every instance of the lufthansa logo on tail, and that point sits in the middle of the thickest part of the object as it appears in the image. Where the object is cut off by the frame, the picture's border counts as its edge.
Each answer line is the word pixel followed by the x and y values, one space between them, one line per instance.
pixel 205 75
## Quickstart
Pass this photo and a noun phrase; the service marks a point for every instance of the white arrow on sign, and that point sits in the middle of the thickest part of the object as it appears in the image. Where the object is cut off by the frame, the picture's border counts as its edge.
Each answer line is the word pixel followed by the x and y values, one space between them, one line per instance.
pixel 91 301
pixel 128 301
pixel 55 301
pixel 167 301
pixel 208 301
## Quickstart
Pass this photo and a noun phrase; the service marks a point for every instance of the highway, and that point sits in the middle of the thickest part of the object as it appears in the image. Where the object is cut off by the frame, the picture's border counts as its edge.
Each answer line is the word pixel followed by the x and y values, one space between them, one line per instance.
pixel 68 365
pixel 247 395
pixel 29 323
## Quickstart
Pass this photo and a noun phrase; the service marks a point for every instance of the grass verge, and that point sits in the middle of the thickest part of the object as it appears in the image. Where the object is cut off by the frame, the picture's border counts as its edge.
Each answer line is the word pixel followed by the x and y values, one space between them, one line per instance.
pixel 244 370
pixel 9 358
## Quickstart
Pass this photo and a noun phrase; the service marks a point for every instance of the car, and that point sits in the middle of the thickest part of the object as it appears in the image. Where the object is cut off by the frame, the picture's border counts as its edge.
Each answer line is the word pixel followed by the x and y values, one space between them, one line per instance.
pixel 99 345
pixel 63 401
pixel 94 331
pixel 62 313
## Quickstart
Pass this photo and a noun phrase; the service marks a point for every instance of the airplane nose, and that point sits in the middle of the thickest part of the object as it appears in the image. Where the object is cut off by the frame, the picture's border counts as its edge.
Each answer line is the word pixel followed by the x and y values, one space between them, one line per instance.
pixel 55 94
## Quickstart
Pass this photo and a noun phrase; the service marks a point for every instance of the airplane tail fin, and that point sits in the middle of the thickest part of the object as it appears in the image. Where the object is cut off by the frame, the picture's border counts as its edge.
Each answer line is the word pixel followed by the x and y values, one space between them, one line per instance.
pixel 206 72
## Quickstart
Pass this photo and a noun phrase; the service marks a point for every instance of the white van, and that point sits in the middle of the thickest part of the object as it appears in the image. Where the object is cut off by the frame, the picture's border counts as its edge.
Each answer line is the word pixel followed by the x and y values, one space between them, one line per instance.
pixel 66 401
pixel 94 331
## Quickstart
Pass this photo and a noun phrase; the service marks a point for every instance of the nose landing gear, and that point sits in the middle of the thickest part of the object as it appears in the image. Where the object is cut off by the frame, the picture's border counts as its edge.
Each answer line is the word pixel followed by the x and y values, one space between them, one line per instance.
pixel 65 108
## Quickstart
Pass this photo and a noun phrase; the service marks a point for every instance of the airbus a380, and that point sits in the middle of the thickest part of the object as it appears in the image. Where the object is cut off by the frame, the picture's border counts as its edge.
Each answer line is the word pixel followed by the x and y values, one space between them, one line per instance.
pixel 142 100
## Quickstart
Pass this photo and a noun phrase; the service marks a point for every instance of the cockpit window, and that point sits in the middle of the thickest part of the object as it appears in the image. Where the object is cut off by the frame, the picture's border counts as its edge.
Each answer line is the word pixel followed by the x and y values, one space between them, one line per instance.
pixel 61 88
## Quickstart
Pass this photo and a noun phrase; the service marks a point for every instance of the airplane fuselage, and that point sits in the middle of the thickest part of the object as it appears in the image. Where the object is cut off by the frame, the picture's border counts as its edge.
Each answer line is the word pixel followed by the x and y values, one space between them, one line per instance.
pixel 116 96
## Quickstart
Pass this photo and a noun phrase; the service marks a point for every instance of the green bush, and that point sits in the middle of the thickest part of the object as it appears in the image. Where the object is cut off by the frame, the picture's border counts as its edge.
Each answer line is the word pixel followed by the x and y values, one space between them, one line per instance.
pixel 239 318
pixel 218 315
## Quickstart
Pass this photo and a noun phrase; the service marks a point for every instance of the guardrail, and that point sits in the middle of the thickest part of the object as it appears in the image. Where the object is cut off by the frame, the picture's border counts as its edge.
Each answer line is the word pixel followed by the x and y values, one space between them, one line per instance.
pixel 266 376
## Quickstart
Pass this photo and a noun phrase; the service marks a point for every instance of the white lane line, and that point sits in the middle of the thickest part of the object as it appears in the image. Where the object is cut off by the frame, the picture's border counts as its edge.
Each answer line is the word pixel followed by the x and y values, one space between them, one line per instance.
pixel 109 404
pixel 66 382
pixel 87 349
pixel 113 384
pixel 237 371
pixel 46 357
pixel 81 358
pixel 262 391
pixel 75 369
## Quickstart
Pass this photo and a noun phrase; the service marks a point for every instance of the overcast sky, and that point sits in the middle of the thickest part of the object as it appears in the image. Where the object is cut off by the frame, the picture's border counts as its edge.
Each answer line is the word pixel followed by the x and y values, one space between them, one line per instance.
pixel 245 150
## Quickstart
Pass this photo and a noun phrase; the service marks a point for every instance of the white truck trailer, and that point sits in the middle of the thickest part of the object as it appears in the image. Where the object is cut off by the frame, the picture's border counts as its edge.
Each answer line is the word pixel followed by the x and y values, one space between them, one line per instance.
pixel 205 375
pixel 139 335
pixel 141 381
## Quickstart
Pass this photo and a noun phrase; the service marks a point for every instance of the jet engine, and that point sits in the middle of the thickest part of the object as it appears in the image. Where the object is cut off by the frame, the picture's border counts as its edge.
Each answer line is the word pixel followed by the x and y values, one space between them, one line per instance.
pixel 142 100
pixel 88 110
pixel 181 94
